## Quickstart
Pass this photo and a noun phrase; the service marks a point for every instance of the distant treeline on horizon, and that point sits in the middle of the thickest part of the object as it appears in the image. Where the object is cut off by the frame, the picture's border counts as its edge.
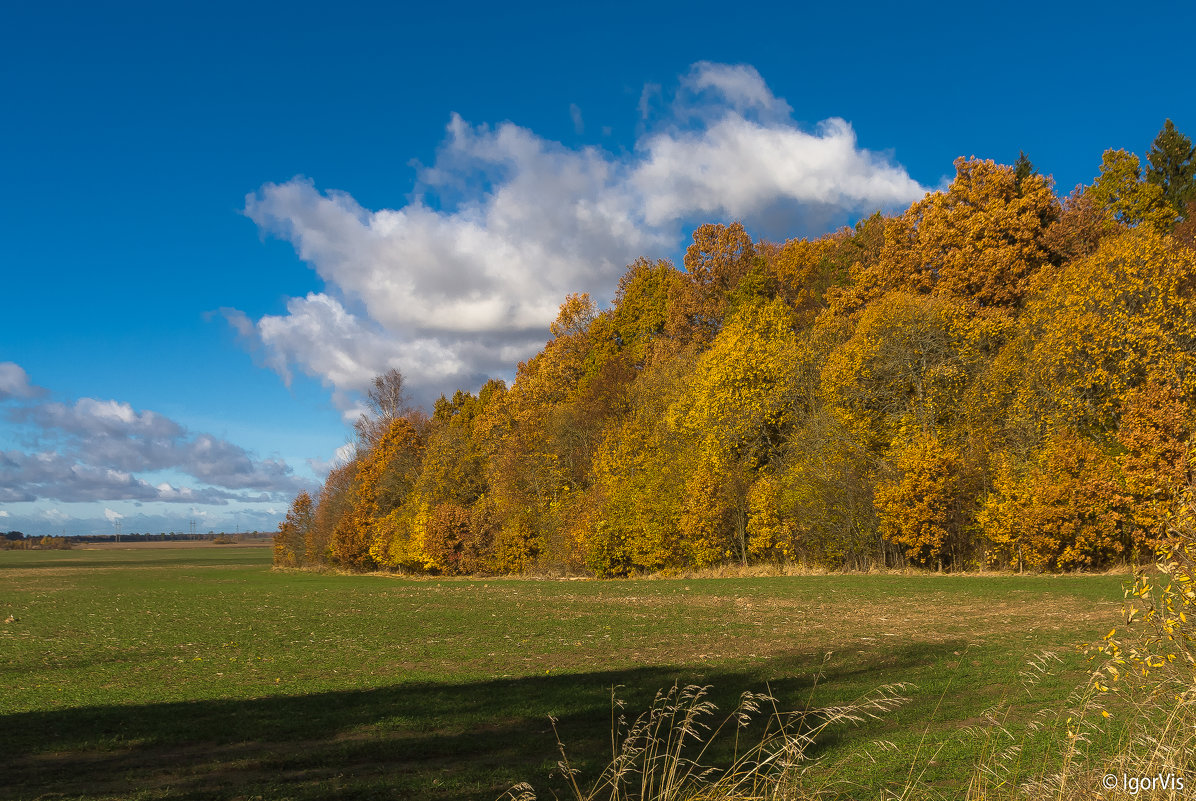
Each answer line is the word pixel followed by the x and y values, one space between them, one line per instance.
pixel 997 377
pixel 18 536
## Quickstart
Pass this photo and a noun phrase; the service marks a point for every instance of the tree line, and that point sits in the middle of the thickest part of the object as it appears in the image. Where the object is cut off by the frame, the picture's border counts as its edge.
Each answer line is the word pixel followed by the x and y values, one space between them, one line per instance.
pixel 17 541
pixel 996 377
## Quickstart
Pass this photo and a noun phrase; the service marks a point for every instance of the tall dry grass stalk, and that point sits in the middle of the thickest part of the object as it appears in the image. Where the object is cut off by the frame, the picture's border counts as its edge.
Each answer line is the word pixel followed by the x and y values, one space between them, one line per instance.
pixel 1144 683
pixel 664 754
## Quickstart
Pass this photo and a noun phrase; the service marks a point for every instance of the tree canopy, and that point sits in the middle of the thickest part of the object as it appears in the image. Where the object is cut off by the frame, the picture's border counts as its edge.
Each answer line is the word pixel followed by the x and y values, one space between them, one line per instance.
pixel 994 377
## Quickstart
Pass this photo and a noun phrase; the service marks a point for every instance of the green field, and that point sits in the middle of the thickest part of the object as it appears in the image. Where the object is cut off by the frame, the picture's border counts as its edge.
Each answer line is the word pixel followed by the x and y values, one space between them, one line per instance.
pixel 203 674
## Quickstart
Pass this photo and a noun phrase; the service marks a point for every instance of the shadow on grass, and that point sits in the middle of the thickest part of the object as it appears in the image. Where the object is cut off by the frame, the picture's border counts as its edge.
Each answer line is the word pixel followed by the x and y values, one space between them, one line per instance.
pixel 433 740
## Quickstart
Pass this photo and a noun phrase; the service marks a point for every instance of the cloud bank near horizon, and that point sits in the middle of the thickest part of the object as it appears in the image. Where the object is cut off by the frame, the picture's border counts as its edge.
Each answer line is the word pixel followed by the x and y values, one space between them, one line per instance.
pixel 92 451
pixel 461 282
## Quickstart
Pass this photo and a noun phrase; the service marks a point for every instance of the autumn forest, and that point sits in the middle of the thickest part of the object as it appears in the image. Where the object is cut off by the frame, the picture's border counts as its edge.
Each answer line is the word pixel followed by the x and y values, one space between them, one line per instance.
pixel 999 377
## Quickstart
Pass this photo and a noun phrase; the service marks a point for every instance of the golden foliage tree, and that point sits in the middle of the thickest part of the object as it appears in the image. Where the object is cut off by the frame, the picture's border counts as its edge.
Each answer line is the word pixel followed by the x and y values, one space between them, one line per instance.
pixel 639 471
pixel 1155 433
pixel 1064 509
pixel 454 545
pixel 643 307
pixel 1081 226
pixel 737 412
pixel 825 494
pixel 982 239
pixel 919 507
pixel 334 503
pixel 991 374
pixel 720 258
pixel 378 487
pixel 905 365
pixel 1110 321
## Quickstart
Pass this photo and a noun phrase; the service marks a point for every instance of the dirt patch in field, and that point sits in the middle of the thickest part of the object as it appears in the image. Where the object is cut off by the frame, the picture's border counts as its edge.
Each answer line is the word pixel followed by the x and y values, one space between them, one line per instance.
pixel 934 617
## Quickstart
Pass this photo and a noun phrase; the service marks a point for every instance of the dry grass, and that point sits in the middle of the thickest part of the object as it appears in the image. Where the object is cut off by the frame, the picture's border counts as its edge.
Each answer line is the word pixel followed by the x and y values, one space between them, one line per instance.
pixel 773 569
pixel 663 753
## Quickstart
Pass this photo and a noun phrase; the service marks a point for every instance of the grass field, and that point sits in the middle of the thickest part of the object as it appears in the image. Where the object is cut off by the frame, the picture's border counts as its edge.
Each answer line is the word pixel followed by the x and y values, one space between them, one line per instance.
pixel 202 674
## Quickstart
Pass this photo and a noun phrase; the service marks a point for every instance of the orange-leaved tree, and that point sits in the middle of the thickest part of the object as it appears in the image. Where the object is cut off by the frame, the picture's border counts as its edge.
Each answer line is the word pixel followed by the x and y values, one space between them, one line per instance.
pixel 981 240
pixel 383 477
pixel 334 503
pixel 1062 510
pixel 1155 432
pixel 921 506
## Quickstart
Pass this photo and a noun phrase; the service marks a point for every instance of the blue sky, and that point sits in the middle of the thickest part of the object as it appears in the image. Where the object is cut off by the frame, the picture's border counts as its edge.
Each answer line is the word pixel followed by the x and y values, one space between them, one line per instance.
pixel 220 219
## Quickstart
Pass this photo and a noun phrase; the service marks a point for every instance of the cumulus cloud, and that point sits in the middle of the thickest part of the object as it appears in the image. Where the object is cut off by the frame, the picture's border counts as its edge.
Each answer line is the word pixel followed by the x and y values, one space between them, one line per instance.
pixel 89 417
pixel 93 450
pixel 347 350
pixel 112 516
pixel 57 476
pixel 14 383
pixel 114 436
pixel 461 282
pixel 738 169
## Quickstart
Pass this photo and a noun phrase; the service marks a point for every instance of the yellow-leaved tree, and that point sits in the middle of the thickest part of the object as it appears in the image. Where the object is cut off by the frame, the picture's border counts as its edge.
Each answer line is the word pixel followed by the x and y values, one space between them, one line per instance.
pixel 383 477
pixel 1155 432
pixel 1061 509
pixel 1108 323
pixel 1127 197
pixel 639 470
pixel 737 412
pixel 905 366
pixel 921 506
pixel 982 239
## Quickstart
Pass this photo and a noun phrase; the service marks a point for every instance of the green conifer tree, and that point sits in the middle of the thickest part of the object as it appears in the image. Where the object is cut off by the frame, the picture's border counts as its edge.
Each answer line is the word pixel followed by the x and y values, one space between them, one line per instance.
pixel 1173 167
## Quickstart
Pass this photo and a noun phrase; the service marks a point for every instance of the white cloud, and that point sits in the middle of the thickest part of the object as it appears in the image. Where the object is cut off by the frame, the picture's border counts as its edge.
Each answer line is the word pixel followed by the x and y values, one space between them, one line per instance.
pixel 94 449
pixel 346 351
pixel 67 478
pixel 738 169
pixel 739 86
pixel 3 513
pixel 89 417
pixel 14 382
pixel 112 516
pixel 459 290
pixel 579 125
